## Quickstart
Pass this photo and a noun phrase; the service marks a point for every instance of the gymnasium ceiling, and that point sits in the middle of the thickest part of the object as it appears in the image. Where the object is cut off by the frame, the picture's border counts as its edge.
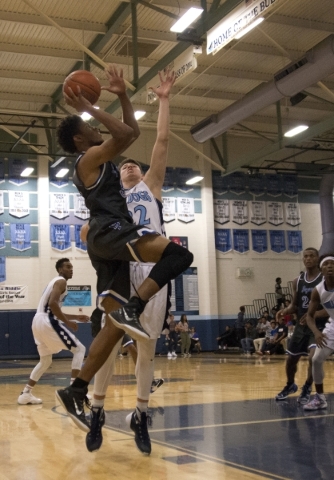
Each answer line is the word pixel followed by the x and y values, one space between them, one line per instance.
pixel 36 56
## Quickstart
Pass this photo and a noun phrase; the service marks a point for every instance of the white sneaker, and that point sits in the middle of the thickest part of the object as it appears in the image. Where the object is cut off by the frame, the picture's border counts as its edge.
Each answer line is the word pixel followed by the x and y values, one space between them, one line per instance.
pixel 318 403
pixel 169 355
pixel 189 354
pixel 174 354
pixel 28 399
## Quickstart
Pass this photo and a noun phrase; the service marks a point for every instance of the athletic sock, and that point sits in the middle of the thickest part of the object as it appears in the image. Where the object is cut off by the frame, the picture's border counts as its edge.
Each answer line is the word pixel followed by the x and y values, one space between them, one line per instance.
pixel 27 389
pixel 78 383
pixel 98 403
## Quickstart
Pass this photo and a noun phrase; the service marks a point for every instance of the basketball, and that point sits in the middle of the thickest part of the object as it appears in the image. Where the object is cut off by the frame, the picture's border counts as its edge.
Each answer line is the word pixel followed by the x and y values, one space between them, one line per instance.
pixel 88 83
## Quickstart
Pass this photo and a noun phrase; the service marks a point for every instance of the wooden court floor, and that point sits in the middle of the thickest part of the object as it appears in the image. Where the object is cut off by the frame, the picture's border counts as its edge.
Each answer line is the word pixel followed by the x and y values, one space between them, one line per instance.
pixel 215 417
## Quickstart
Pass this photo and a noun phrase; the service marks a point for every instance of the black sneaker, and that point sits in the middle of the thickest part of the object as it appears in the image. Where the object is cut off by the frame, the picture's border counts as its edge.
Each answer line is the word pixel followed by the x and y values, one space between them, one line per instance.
pixel 73 400
pixel 139 427
pixel 94 438
pixel 287 390
pixel 127 318
pixel 305 395
pixel 157 382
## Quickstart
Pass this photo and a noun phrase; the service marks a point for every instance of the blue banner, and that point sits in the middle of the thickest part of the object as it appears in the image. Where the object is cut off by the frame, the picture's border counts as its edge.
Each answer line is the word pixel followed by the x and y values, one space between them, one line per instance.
pixel 223 241
pixel 290 185
pixel 78 243
pixel 2 269
pixel 260 241
pixel 256 183
pixel 78 296
pixel 277 241
pixel 60 237
pixel 220 183
pixel 274 185
pixel 241 240
pixel 295 243
pixel 2 235
pixel 237 182
pixel 15 168
pixel 20 236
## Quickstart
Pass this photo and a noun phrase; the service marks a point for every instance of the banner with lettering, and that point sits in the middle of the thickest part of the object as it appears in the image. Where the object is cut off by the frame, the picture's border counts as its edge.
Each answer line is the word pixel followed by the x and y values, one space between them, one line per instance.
pixel 80 209
pixel 185 209
pixel 78 296
pixel 13 294
pixel 274 185
pixel 220 183
pixel 277 241
pixel 260 241
pixel 295 243
pixel 168 209
pixel 239 211
pixel 275 213
pixel 258 213
pixel 223 241
pixel 2 207
pixel 221 211
pixel 18 204
pixel 59 205
pixel 241 240
pixel 60 237
pixel 15 168
pixel 290 185
pixel 237 182
pixel 78 243
pixel 2 269
pixel 256 184
pixel 292 214
pixel 20 236
pixel 2 235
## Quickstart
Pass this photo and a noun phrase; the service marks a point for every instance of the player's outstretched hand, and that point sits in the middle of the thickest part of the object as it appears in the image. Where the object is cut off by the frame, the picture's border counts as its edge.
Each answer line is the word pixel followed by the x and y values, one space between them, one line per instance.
pixel 166 82
pixel 320 339
pixel 77 100
pixel 116 80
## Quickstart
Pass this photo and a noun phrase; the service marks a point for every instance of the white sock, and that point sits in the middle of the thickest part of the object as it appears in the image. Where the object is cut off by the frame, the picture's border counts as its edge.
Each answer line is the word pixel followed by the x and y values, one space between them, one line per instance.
pixel 98 403
pixel 141 407
pixel 72 380
pixel 27 389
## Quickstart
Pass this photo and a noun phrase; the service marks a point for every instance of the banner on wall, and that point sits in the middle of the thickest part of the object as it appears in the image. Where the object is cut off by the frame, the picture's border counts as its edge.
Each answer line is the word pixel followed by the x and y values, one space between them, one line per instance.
pixel 237 182
pixel 60 237
pixel 221 211
pixel 2 235
pixel 260 241
pixel 2 269
pixel 168 209
pixel 241 240
pixel 20 236
pixel 292 214
pixel 258 213
pixel 15 168
pixel 295 243
pixel 223 241
pixel 2 170
pixel 275 213
pixel 13 294
pixel 59 205
pixel 78 296
pixel 18 204
pixel 239 211
pixel 277 241
pixel 290 185
pixel 2 209
pixel 78 243
pixel 185 209
pixel 274 185
pixel 220 184
pixel 256 184
pixel 80 209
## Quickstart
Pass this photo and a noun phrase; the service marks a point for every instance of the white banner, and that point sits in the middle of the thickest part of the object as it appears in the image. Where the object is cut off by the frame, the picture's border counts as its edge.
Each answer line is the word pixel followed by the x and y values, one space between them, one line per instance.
pixel 80 209
pixel 59 205
pixel 221 209
pixel 18 204
pixel 292 213
pixel 239 211
pixel 13 294
pixel 275 213
pixel 168 209
pixel 1 203
pixel 185 209
pixel 258 212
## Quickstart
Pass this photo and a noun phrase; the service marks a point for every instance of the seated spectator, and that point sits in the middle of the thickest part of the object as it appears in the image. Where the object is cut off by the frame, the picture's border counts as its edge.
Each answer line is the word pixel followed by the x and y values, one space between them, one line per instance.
pixel 270 335
pixel 263 330
pixel 227 339
pixel 250 334
pixel 195 343
pixel 275 344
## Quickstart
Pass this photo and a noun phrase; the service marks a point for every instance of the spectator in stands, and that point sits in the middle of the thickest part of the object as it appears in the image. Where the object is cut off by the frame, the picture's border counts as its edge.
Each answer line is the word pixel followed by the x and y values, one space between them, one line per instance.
pixel 171 336
pixel 226 339
pixel 240 325
pixel 269 338
pixel 183 328
pixel 275 345
pixel 194 339
pixel 250 334
pixel 263 330
pixel 279 293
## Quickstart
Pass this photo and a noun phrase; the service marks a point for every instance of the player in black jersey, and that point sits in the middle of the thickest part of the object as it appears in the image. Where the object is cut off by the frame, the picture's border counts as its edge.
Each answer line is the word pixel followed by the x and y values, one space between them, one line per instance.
pixel 302 341
pixel 113 239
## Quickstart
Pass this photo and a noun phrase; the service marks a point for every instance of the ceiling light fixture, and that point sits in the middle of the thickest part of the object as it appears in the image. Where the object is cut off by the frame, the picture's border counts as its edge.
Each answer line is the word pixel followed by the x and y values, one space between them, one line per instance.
pixel 296 130
pixel 250 27
pixel 193 180
pixel 62 172
pixel 26 172
pixel 139 114
pixel 187 19
pixel 86 116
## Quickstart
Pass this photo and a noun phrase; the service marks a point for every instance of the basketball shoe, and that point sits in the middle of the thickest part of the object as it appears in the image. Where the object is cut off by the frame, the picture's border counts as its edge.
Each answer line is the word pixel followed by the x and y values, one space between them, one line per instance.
pixel 73 400
pixel 94 437
pixel 287 390
pixel 318 402
pixel 157 382
pixel 127 318
pixel 305 395
pixel 139 426
pixel 27 398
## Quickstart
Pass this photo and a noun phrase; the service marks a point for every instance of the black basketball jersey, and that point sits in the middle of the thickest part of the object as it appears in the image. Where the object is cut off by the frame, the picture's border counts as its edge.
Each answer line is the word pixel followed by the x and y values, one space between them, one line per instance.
pixel 106 196
pixel 304 290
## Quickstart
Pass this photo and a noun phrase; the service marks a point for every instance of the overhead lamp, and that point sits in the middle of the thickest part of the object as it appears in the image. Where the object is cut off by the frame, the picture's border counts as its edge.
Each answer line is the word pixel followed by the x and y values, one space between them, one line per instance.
pixel 193 180
pixel 62 172
pixel 296 130
pixel 139 114
pixel 187 19
pixel 86 116
pixel 249 28
pixel 26 172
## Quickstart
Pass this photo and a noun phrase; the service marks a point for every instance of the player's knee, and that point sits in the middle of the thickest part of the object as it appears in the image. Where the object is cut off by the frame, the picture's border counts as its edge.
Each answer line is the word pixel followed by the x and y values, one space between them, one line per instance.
pixel 184 257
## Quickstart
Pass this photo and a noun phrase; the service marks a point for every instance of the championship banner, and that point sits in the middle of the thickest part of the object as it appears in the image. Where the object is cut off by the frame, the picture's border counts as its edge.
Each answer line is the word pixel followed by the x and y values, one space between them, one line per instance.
pixel 290 185
pixel 185 209
pixel 13 294
pixel 239 211
pixel 78 296
pixel 241 240
pixel 256 184
pixel 80 209
pixel 277 241
pixel 78 243
pixel 295 243
pixel 221 211
pixel 60 237
pixel 2 208
pixel 275 213
pixel 168 209
pixel 258 213
pixel 15 168
pixel 2 235
pixel 220 183
pixel 20 236
pixel 223 241
pixel 2 170
pixel 2 269
pixel 292 214
pixel 59 205
pixel 259 241
pixel 18 204
pixel 169 181
pixel 237 182
pixel 274 185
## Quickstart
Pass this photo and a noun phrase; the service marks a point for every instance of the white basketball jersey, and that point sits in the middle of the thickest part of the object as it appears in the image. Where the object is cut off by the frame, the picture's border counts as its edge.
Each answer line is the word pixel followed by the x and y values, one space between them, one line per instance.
pixel 43 306
pixel 327 301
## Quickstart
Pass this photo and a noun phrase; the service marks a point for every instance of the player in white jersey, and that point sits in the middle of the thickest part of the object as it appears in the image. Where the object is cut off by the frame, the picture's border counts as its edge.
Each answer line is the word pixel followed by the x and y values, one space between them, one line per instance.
pixel 323 294
pixel 144 202
pixel 50 332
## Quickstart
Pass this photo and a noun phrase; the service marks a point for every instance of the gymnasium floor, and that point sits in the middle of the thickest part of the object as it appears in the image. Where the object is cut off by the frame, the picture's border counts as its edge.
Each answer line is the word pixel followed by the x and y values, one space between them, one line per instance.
pixel 214 416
